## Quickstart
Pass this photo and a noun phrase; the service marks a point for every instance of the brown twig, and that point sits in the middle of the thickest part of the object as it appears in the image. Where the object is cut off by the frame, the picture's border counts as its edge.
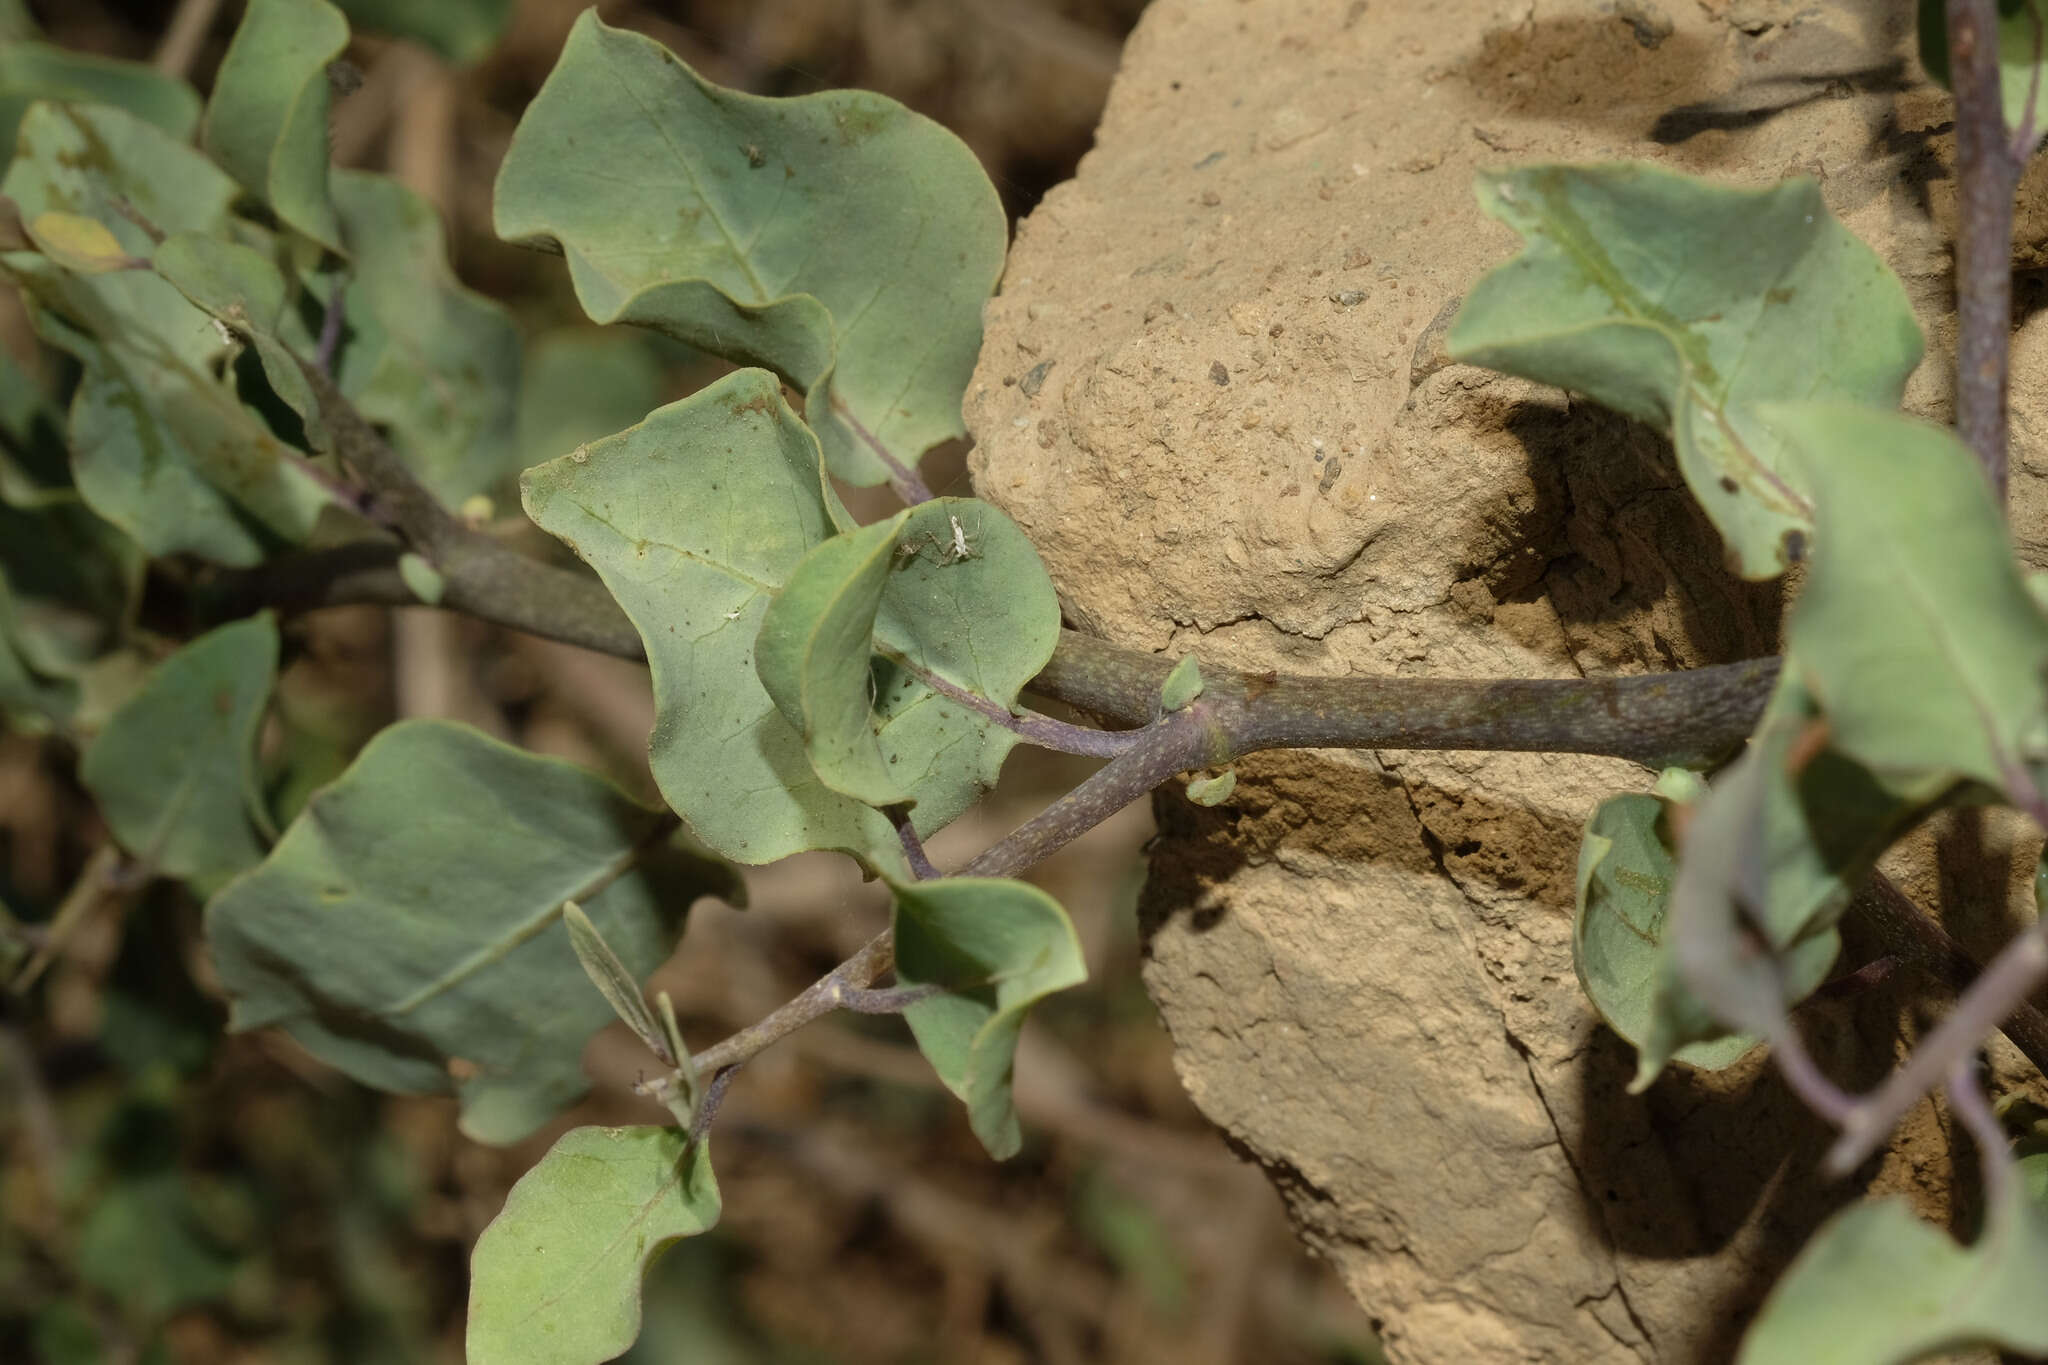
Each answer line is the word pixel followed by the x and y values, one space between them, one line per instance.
pixel 1987 173
pixel 190 23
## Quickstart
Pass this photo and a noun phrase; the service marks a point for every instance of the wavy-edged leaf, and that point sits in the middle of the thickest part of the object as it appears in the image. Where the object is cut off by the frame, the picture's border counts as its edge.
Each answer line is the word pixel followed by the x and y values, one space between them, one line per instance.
pixel 949 589
pixel 695 519
pixel 266 123
pixel 837 239
pixel 813 655
pixel 1627 864
pixel 31 71
pixel 1917 632
pixel 463 31
pixel 555 1279
pixel 174 771
pixel 406 928
pixel 161 446
pixel 1770 860
pixel 995 947
pixel 969 602
pixel 1686 304
pixel 1877 1286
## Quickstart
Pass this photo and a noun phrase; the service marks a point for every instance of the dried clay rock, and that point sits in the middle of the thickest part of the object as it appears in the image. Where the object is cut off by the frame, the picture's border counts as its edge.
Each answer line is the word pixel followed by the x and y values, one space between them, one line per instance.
pixel 1215 395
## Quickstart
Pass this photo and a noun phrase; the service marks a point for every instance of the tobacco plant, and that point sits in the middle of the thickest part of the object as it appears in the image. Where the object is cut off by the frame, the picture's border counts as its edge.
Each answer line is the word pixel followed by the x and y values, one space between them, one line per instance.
pixel 280 398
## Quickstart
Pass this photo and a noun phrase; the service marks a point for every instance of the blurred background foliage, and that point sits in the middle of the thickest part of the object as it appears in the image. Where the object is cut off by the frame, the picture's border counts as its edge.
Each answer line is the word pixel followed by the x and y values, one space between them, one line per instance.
pixel 171 1194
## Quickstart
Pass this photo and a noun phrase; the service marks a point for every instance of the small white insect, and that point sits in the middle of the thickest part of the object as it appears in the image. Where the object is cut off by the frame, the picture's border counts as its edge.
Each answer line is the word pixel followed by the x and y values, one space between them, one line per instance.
pixel 960 548
pixel 951 551
pixel 733 615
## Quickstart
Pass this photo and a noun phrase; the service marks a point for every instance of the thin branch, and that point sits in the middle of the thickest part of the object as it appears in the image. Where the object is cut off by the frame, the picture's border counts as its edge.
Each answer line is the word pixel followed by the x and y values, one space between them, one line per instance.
pixel 1186 739
pixel 887 1000
pixel 817 1000
pixel 1987 173
pixel 2012 976
pixel 1042 731
pixel 1994 1153
pixel 913 847
pixel 330 329
pixel 190 23
pixel 101 881
pixel 712 1098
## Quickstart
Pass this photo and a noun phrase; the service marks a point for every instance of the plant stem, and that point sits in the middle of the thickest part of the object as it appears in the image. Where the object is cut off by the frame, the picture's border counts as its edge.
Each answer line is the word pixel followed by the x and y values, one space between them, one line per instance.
pixel 482 577
pixel 1917 939
pixel 913 847
pixel 1987 173
pixel 1042 731
pixel 819 999
pixel 1173 744
pixel 908 484
pixel 2020 967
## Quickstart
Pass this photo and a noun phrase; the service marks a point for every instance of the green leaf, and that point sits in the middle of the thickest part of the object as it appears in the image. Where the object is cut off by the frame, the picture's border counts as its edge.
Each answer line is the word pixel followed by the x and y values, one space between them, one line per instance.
pixel 161 445
pixel 1917 632
pixel 242 288
pixel 145 1246
pixel 266 124
pixel 436 366
pixel 1783 839
pixel 432 362
pixel 1626 870
pixel 1212 791
pixel 579 384
pixel 74 581
pixel 555 1279
pixel 695 519
pixel 618 985
pixel 422 578
pixel 408 921
pixel 1877 1286
pixel 1685 305
pixel 81 245
pixel 174 771
pixel 31 71
pixel 813 654
pixel 463 31
pixel 2020 52
pixel 974 608
pixel 837 239
pixel 1183 685
pixel 35 468
pixel 995 947
pixel 969 602
pixel 29 699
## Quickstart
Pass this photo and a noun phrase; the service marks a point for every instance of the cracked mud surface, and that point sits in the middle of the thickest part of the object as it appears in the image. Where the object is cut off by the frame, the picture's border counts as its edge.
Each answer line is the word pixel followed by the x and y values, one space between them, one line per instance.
pixel 1214 394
